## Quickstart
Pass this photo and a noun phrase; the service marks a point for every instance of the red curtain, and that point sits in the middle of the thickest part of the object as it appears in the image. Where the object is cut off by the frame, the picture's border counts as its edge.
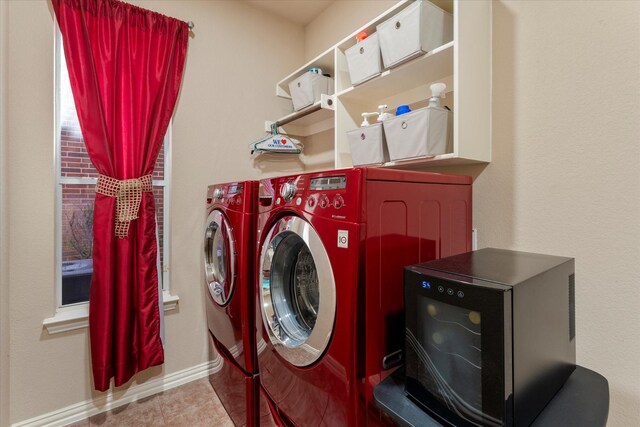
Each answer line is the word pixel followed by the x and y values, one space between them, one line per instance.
pixel 125 65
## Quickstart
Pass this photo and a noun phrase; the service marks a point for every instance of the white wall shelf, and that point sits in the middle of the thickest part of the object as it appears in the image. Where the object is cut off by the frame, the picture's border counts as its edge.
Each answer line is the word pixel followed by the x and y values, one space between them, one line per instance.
pixel 432 66
pixel 464 64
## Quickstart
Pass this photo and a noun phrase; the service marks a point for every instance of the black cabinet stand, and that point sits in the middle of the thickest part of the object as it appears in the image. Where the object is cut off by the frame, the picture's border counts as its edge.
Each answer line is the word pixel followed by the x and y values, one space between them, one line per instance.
pixel 582 401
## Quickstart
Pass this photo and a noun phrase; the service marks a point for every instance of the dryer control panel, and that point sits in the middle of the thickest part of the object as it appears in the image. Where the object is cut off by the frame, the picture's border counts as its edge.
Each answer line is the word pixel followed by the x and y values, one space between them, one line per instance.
pixel 231 195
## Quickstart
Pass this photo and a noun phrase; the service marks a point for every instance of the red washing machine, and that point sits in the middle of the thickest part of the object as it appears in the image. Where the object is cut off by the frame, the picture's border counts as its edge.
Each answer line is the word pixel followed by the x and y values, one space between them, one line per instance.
pixel 332 246
pixel 229 249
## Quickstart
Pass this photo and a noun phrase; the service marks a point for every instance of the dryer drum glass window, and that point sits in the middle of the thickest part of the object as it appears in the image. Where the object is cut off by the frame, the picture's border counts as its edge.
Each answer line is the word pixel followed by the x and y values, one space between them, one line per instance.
pixel 218 253
pixel 298 291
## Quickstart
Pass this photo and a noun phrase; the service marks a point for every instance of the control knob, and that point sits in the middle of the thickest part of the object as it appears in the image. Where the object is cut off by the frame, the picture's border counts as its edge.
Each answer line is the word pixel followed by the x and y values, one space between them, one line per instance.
pixel 217 193
pixel 323 202
pixel 287 191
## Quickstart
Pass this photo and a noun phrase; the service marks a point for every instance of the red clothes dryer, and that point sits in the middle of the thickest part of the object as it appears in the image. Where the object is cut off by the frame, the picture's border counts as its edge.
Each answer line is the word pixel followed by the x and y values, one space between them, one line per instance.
pixel 332 246
pixel 229 249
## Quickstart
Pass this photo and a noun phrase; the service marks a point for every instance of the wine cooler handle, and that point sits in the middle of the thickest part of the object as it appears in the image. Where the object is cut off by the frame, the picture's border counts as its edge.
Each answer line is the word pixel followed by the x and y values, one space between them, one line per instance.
pixel 392 360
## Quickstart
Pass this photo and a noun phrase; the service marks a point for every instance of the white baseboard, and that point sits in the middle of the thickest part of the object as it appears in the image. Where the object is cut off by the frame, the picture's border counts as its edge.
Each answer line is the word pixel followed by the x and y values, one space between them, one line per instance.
pixel 111 400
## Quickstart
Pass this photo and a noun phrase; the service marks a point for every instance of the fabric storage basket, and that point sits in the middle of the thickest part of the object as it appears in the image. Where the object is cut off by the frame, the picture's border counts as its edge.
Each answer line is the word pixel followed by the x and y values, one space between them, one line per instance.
pixel 364 60
pixel 306 89
pixel 424 132
pixel 368 146
pixel 419 28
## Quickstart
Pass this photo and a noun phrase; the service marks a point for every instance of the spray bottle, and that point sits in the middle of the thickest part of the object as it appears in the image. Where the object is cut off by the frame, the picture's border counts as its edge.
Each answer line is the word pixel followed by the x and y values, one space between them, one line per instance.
pixel 440 136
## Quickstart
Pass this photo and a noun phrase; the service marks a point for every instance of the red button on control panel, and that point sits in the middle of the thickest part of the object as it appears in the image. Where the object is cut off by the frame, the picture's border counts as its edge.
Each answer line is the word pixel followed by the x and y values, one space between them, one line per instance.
pixel 338 201
pixel 311 202
pixel 324 201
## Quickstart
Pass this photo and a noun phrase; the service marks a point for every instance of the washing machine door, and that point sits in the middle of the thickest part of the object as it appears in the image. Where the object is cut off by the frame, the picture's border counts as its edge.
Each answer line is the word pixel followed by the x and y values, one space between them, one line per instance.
pixel 219 257
pixel 298 295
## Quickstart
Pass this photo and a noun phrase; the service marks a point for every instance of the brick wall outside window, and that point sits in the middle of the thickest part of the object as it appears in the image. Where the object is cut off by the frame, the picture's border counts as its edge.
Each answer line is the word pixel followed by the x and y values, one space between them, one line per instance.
pixel 77 199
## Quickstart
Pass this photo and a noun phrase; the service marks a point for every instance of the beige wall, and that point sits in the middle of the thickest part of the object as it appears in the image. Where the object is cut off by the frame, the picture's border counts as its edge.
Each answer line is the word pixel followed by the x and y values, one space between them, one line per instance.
pixel 564 178
pixel 38 364
pixel 228 92
pixel 4 230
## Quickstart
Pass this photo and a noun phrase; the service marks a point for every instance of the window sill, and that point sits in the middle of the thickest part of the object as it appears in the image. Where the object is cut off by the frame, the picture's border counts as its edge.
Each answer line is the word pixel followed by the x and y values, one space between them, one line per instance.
pixel 77 317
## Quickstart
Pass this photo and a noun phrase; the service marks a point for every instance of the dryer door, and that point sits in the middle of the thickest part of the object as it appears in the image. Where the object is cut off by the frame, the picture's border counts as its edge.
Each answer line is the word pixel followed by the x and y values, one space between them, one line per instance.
pixel 219 257
pixel 298 295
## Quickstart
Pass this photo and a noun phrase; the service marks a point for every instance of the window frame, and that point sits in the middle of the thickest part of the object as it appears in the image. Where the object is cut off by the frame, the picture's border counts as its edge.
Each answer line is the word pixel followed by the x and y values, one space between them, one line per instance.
pixel 74 316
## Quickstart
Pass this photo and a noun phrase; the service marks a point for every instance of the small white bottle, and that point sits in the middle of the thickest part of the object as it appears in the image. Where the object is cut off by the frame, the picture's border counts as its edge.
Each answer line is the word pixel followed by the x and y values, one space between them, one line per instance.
pixel 382 114
pixel 365 118
pixel 437 92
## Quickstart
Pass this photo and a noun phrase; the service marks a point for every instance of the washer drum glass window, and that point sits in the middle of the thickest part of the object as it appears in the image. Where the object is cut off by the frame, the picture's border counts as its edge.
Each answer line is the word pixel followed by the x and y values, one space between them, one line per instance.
pixel 298 297
pixel 219 258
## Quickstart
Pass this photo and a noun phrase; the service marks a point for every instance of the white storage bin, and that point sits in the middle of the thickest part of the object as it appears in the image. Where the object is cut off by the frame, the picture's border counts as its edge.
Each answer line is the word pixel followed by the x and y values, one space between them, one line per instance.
pixel 306 89
pixel 364 60
pixel 368 146
pixel 420 133
pixel 419 28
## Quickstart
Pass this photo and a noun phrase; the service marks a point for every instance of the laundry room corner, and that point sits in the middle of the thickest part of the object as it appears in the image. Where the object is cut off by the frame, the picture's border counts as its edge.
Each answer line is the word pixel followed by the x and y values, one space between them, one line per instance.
pixel 303 283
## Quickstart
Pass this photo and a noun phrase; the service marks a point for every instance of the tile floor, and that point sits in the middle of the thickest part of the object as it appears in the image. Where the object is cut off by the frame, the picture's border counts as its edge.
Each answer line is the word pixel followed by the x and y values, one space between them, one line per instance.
pixel 192 405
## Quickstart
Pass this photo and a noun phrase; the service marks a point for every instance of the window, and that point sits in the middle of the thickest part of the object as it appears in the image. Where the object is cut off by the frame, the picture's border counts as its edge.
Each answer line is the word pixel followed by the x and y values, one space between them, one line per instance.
pixel 75 192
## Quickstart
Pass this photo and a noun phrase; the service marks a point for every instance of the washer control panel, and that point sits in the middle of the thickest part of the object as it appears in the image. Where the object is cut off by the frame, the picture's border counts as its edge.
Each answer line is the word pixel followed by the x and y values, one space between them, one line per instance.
pixel 325 195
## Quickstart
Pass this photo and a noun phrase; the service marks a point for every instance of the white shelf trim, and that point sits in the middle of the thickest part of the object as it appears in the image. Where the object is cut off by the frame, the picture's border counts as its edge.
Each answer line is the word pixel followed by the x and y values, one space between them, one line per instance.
pixel 77 316
pixel 463 64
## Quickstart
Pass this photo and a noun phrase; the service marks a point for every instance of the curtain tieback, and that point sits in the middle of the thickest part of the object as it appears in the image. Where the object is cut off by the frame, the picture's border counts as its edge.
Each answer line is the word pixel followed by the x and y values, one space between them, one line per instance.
pixel 128 194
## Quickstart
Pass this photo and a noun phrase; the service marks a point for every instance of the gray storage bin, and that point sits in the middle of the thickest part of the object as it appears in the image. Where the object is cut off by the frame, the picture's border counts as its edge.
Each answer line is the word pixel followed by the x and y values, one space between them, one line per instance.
pixel 364 60
pixel 419 28
pixel 368 146
pixel 306 89
pixel 424 132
